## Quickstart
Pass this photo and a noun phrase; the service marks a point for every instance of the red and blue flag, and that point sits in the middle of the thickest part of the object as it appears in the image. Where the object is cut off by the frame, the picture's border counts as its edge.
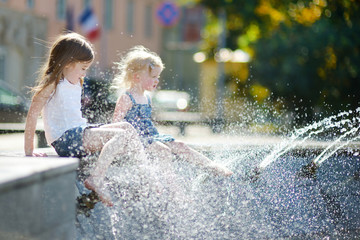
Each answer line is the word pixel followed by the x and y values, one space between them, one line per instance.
pixel 89 24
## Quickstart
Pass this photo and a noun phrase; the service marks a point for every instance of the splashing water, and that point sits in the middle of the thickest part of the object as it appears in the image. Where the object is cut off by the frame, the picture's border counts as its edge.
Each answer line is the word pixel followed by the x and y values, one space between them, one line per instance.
pixel 317 128
pixel 152 202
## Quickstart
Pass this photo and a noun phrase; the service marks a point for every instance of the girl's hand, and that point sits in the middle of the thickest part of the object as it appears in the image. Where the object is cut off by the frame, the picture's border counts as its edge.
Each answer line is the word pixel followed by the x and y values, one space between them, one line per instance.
pixel 40 155
pixel 37 155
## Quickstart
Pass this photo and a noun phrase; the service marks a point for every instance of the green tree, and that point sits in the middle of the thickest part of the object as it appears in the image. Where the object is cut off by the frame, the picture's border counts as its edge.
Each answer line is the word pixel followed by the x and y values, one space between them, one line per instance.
pixel 304 52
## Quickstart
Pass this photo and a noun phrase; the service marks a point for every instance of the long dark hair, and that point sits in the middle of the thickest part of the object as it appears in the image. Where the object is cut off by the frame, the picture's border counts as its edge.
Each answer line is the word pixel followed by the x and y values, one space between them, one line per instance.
pixel 67 49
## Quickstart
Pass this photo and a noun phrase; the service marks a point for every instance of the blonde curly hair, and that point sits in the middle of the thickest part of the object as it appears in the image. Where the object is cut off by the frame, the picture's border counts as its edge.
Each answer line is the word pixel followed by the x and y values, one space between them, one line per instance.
pixel 135 60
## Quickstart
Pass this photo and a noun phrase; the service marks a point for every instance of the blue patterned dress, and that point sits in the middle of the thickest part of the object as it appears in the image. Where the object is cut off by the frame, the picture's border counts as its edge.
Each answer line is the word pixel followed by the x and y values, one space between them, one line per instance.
pixel 139 116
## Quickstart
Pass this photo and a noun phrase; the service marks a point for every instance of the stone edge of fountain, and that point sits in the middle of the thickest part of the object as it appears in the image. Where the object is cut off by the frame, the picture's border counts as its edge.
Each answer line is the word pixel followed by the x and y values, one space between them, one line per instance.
pixel 35 198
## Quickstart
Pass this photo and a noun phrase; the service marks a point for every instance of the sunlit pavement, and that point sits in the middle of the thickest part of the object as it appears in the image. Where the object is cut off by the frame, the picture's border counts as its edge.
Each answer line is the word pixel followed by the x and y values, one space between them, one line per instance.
pixel 195 135
pixel 11 142
pixel 200 137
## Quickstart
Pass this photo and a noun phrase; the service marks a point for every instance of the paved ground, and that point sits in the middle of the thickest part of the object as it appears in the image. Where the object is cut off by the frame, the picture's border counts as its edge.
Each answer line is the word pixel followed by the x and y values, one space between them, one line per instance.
pixel 195 135
pixel 11 142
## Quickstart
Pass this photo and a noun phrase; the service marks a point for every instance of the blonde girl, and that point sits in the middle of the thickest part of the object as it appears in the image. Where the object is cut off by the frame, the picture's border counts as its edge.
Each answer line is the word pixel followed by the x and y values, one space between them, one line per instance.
pixel 139 71
pixel 58 95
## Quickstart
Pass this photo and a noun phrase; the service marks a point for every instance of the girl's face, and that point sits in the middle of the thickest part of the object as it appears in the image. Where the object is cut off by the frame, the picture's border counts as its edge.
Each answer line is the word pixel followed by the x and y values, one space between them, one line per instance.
pixel 150 80
pixel 74 72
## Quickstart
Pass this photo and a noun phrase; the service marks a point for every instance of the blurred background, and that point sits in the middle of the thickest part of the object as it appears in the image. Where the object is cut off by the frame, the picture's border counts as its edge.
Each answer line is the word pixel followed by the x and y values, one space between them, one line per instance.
pixel 264 66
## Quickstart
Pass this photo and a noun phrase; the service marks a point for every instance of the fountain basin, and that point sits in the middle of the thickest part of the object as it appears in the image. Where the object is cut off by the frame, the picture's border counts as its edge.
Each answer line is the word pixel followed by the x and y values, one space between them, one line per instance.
pixel 37 197
pixel 279 203
pixel 325 203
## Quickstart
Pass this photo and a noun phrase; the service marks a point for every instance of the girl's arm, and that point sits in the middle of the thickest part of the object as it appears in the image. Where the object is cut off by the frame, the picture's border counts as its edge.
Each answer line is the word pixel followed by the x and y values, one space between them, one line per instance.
pixel 123 105
pixel 37 103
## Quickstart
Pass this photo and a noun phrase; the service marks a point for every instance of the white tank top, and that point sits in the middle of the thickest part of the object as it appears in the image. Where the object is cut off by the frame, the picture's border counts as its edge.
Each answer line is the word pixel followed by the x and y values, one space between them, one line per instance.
pixel 63 110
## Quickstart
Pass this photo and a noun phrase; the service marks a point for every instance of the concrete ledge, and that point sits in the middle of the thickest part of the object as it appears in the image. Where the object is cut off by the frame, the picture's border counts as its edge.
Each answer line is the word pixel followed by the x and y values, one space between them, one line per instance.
pixel 22 171
pixel 37 197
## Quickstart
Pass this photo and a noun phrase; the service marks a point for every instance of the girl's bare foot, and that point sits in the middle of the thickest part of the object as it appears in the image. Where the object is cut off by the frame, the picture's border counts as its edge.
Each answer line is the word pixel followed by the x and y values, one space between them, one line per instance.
pixel 221 170
pixel 226 172
pixel 104 196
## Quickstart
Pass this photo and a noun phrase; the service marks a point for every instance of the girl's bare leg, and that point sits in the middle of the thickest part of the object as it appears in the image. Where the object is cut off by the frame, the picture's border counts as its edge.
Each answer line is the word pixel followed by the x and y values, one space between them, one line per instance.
pixel 195 157
pixel 113 140
pixel 159 151
pixel 163 156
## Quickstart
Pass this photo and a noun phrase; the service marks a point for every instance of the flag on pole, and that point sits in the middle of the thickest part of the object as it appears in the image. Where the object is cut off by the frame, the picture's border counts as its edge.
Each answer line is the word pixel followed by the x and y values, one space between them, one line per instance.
pixel 89 24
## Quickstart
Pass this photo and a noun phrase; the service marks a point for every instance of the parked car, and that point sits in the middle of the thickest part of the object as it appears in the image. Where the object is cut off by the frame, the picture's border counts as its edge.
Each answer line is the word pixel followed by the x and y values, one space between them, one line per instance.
pixel 13 105
pixel 173 107
pixel 170 101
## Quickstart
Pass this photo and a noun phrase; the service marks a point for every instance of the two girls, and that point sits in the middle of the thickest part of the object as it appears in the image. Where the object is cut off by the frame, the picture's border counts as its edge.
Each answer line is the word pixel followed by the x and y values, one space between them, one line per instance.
pixel 58 96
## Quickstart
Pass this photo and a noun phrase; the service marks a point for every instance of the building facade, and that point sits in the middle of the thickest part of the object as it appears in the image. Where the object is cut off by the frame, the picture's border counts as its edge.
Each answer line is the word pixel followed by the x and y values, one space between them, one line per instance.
pixel 27 26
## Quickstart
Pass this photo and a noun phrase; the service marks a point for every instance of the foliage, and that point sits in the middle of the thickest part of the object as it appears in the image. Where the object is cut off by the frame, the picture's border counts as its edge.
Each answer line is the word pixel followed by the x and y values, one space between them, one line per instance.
pixel 305 52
